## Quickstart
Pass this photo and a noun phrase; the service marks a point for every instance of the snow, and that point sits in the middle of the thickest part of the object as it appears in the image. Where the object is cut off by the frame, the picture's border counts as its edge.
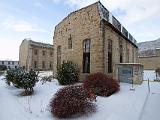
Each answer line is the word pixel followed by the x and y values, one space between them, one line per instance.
pixel 124 105
pixel 149 74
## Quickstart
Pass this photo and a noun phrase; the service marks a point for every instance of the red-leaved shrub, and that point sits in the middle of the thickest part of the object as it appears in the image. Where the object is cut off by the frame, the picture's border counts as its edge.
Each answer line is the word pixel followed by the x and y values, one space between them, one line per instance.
pixel 101 84
pixel 72 101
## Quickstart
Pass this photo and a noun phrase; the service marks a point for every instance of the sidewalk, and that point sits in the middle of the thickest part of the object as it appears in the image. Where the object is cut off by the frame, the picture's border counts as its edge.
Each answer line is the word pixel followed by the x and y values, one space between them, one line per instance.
pixel 152 107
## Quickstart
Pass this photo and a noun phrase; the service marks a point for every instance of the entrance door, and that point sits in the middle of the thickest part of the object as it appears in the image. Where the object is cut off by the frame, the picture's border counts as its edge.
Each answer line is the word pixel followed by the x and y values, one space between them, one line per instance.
pixel 125 74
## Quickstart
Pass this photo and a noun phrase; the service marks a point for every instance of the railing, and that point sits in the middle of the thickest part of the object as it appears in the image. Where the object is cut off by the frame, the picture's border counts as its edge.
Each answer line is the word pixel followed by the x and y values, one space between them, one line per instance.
pixel 106 15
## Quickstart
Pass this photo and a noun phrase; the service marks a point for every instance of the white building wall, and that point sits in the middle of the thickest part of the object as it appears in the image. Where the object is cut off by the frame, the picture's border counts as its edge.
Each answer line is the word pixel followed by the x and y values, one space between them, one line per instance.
pixel 10 64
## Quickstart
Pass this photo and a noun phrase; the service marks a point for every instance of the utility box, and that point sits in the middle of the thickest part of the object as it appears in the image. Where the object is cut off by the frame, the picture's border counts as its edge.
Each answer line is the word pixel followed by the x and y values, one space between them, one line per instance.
pixel 129 73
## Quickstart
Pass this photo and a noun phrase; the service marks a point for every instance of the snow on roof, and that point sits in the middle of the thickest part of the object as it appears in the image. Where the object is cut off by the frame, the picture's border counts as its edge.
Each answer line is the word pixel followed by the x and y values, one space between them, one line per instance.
pixel 39 44
pixel 107 16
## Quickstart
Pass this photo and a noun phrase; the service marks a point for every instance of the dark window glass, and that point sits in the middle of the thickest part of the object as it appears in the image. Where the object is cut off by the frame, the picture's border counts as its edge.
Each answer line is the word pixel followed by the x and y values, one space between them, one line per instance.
pixel 51 53
pixel 43 64
pixel 121 52
pixel 44 53
pixel 86 56
pixel 35 52
pixel 35 64
pixel 50 65
pixel 109 56
pixel 8 62
pixel 127 54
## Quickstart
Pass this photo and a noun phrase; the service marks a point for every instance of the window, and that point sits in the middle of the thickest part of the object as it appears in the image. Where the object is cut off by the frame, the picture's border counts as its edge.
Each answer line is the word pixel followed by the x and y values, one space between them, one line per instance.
pixel 86 56
pixel 70 42
pixel 12 62
pixel 35 64
pixel 133 55
pixel 35 52
pixel 8 62
pixel 127 55
pixel 58 55
pixel 50 65
pixel 44 53
pixel 51 53
pixel 2 62
pixel 121 52
pixel 43 64
pixel 109 56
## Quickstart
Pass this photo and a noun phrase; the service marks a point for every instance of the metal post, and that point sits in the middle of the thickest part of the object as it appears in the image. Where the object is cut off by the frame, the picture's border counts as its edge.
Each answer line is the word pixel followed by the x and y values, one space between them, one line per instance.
pixel 132 88
pixel 148 86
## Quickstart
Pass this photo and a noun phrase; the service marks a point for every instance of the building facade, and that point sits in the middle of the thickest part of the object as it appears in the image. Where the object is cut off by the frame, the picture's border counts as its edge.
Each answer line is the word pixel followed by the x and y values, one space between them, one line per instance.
pixel 93 39
pixel 10 64
pixel 151 62
pixel 36 55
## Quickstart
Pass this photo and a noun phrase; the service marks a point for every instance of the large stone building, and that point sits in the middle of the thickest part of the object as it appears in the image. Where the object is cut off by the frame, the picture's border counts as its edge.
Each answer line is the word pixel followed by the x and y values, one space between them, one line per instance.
pixel 151 62
pixel 95 40
pixel 9 63
pixel 36 55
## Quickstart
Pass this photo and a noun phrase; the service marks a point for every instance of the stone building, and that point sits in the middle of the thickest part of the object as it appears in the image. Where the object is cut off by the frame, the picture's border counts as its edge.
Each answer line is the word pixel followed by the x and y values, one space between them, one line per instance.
pixel 9 63
pixel 36 55
pixel 95 40
pixel 151 62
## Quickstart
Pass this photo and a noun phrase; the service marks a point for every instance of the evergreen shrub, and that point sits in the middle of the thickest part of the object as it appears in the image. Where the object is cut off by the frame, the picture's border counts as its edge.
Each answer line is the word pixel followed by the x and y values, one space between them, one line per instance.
pixel 67 73
pixel 22 79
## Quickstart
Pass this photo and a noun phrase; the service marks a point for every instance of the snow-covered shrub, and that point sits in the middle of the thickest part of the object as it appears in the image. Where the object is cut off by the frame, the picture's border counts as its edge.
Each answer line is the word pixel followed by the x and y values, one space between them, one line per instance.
pixel 3 67
pixel 101 84
pixel 22 79
pixel 45 79
pixel 72 101
pixel 67 73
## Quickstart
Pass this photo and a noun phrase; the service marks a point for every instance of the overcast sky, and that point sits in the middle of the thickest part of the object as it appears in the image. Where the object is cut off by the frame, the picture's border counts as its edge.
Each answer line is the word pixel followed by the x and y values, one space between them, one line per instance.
pixel 36 19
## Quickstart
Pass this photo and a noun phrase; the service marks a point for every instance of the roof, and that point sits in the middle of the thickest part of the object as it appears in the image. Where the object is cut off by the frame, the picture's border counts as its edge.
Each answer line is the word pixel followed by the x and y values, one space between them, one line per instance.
pixel 39 44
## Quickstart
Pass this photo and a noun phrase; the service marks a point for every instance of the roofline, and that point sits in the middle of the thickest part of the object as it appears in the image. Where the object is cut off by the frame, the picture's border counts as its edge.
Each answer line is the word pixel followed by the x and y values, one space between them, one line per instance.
pixel 77 11
pixel 117 31
pixel 41 43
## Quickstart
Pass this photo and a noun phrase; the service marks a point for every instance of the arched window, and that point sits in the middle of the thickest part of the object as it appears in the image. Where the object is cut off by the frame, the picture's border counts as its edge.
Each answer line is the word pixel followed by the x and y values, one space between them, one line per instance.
pixel 58 55
pixel 86 55
pixel 109 56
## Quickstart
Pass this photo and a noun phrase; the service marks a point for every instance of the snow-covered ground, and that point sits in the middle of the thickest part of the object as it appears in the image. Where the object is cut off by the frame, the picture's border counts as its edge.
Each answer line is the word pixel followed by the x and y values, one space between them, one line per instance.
pixel 149 74
pixel 124 105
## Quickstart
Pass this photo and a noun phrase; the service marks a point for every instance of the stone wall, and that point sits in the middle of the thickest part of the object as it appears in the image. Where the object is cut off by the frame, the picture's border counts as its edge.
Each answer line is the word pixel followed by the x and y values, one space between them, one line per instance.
pixel 80 25
pixel 151 62
pixel 111 34
pixel 87 23
pixel 23 53
pixel 28 57
pixel 39 58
